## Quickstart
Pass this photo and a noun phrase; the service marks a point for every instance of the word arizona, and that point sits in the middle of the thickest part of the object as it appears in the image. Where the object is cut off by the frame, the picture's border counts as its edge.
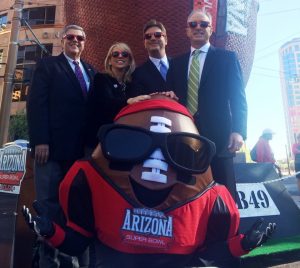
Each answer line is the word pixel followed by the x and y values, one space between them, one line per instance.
pixel 147 224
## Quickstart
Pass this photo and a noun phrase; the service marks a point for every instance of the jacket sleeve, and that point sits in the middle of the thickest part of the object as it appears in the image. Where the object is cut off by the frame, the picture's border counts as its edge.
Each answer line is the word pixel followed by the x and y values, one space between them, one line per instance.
pixel 237 96
pixel 37 104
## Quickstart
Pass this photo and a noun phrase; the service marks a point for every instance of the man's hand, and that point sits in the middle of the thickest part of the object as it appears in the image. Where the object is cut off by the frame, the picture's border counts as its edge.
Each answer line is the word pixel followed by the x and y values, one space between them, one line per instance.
pixel 40 224
pixel 235 142
pixel 41 153
pixel 255 238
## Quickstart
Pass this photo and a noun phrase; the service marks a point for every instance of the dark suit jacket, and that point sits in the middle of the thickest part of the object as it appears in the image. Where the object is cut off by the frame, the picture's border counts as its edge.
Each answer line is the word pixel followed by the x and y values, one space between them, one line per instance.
pixel 222 106
pixel 147 79
pixel 56 108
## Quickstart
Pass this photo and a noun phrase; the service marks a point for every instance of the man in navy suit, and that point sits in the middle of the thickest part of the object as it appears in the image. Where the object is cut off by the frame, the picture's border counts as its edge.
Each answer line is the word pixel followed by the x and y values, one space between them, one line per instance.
pixel 150 77
pixel 56 111
pixel 221 109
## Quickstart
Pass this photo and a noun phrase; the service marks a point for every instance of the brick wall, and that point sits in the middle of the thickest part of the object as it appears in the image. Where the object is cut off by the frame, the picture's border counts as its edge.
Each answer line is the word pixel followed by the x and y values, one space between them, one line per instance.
pixel 109 21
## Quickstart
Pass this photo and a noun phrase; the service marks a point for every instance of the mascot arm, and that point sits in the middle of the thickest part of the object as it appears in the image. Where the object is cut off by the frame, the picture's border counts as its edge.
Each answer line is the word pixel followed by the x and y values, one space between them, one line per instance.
pixel 75 199
pixel 69 241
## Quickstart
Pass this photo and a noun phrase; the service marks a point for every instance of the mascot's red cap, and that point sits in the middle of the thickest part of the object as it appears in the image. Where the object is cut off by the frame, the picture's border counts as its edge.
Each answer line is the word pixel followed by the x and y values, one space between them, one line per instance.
pixel 154 104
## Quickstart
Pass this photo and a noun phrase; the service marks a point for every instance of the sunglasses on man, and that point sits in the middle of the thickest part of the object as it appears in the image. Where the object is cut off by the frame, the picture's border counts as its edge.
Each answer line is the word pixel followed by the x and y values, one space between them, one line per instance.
pixel 116 54
pixel 71 37
pixel 156 35
pixel 202 24
pixel 187 152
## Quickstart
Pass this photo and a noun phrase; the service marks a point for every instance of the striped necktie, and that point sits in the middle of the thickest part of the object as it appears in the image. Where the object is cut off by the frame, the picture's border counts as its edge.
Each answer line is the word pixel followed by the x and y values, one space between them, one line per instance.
pixel 193 83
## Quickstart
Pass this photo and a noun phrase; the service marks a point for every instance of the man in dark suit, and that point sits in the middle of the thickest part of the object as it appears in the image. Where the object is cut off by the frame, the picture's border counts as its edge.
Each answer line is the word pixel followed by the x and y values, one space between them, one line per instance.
pixel 56 111
pixel 209 82
pixel 151 76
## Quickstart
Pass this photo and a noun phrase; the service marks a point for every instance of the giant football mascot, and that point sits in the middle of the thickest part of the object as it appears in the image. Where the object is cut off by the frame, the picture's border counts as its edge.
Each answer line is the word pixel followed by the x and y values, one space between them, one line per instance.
pixel 148 196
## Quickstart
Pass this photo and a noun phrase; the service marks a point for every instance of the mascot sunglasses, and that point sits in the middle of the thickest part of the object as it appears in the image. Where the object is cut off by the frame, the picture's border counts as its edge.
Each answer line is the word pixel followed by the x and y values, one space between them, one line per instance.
pixel 186 152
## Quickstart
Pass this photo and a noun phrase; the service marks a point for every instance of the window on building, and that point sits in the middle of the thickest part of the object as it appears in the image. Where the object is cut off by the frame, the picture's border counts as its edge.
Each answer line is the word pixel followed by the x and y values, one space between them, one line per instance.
pixel 26 62
pixel 39 15
pixel 3 20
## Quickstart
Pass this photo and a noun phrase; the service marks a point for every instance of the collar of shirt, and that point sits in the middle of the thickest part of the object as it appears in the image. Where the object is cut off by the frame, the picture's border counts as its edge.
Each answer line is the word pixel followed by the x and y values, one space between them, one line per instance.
pixel 203 48
pixel 85 76
pixel 156 61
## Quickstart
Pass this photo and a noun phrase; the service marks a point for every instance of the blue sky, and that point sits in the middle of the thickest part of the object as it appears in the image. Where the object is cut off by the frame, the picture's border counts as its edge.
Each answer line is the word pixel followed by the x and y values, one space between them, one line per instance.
pixel 277 22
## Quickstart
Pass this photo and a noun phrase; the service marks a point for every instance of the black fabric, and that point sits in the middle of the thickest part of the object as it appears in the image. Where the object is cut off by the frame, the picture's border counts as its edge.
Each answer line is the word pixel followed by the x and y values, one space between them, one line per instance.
pixel 110 258
pixel 80 196
pixel 74 243
pixel 219 223
pixel 56 108
pixel 147 79
pixel 106 99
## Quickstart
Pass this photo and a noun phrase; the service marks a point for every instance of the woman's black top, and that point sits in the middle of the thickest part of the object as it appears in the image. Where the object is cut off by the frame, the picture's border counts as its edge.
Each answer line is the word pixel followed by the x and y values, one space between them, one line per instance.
pixel 105 99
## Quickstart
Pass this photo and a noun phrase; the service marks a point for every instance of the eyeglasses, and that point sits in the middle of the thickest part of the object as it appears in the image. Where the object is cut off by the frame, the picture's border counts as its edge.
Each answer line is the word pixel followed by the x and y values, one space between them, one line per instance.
pixel 186 152
pixel 116 54
pixel 157 35
pixel 202 24
pixel 71 37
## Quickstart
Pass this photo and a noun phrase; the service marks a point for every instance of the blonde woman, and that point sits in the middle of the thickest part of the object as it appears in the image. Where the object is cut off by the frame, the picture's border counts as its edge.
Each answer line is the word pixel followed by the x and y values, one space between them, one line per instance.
pixel 111 90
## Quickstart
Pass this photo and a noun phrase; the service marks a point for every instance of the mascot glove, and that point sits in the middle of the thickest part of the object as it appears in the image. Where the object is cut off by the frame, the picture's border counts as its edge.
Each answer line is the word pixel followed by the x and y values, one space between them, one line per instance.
pixel 254 237
pixel 40 224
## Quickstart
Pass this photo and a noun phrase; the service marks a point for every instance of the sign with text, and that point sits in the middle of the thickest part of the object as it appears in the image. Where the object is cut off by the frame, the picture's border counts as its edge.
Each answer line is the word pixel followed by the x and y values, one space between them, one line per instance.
pixel 262 194
pixel 12 168
pixel 254 200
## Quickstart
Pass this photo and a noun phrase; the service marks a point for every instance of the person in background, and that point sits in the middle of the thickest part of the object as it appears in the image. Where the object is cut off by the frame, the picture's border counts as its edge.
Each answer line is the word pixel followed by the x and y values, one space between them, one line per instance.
pixel 264 153
pixel 112 91
pixel 296 152
pixel 56 114
pixel 209 81
pixel 151 76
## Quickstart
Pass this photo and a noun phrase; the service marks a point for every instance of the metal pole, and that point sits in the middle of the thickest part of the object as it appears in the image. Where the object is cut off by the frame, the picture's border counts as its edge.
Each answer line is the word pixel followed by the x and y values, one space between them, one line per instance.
pixel 6 95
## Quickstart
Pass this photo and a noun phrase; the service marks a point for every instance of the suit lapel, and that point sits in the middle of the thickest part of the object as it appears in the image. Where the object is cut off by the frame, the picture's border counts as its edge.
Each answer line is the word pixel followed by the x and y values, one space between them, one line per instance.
pixel 209 61
pixel 64 64
pixel 153 71
pixel 89 71
pixel 184 73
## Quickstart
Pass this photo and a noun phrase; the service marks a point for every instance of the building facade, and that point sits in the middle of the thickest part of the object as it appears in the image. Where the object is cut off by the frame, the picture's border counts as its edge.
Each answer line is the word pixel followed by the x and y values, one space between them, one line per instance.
pixel 46 20
pixel 289 55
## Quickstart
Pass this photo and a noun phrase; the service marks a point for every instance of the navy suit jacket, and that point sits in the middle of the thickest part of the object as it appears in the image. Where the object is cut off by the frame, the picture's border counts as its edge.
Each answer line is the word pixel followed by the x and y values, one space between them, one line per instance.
pixel 147 79
pixel 56 108
pixel 222 106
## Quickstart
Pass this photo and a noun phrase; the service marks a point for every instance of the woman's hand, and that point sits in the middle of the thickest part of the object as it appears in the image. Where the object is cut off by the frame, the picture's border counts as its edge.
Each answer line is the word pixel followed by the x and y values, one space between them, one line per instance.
pixel 138 98
pixel 171 94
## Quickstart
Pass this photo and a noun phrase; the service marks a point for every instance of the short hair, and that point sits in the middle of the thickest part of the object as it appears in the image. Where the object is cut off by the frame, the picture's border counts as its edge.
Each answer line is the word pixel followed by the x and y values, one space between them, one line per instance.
pixel 200 11
pixel 74 27
pixel 154 23
pixel 107 66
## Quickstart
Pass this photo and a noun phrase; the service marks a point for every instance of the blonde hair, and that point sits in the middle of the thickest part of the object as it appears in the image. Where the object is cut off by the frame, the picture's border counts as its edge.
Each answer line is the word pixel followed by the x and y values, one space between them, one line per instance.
pixel 131 67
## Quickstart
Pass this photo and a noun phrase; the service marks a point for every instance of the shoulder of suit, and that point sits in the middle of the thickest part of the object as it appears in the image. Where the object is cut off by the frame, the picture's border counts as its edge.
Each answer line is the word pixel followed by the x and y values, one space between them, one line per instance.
pixel 141 68
pixel 101 76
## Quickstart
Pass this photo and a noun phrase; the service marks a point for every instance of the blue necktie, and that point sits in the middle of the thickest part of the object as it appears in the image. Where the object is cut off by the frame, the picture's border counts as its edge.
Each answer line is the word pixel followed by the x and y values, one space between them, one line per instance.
pixel 79 75
pixel 163 70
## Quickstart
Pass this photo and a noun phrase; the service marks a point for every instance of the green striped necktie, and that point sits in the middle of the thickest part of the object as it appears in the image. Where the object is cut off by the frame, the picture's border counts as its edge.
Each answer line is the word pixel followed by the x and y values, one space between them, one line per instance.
pixel 193 83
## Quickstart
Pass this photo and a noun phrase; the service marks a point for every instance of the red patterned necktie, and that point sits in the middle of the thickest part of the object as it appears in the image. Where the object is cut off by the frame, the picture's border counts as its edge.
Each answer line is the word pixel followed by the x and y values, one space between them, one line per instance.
pixel 80 78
